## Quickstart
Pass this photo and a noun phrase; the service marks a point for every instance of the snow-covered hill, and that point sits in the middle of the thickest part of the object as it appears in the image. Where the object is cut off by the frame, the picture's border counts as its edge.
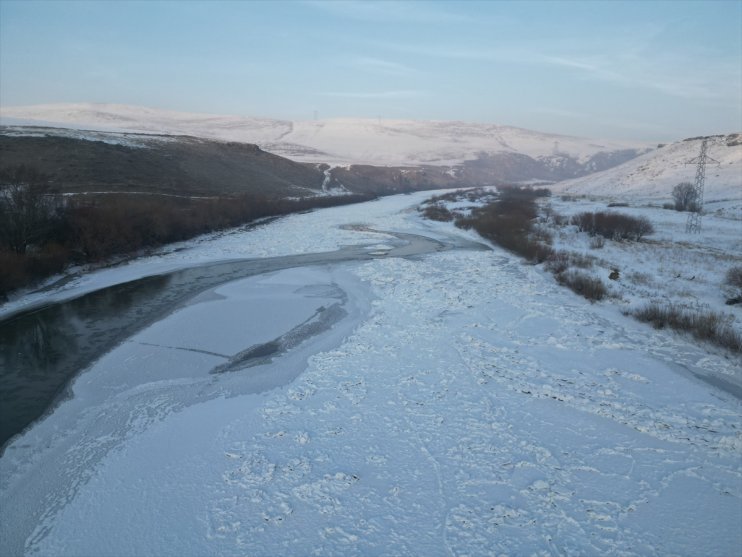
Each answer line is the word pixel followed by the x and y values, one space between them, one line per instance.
pixel 335 141
pixel 654 174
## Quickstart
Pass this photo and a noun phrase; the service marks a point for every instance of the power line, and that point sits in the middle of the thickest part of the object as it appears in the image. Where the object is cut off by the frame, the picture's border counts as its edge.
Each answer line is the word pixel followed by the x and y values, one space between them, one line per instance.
pixel 693 225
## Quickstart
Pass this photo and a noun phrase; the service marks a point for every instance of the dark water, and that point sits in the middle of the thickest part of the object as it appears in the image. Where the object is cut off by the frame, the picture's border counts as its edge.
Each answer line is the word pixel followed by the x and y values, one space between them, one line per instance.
pixel 42 349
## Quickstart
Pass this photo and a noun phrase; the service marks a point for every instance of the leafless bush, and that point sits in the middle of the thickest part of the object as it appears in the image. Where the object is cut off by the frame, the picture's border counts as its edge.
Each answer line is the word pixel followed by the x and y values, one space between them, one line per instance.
pixel 450 196
pixel 685 197
pixel 733 277
pixel 586 286
pixel 733 285
pixel 92 228
pixel 597 242
pixel 542 234
pixel 438 213
pixel 12 271
pixel 560 261
pixel 613 226
pixel 704 325
pixel 509 223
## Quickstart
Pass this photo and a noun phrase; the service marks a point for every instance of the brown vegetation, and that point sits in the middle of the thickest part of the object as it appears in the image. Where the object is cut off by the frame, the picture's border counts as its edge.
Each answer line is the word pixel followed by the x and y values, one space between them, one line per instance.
pixel 709 326
pixel 613 226
pixel 733 283
pixel 586 286
pixel 509 223
pixel 92 228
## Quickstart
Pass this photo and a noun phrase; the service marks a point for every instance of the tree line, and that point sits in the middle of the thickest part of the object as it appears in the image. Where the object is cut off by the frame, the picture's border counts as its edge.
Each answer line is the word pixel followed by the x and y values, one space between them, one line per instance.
pixel 41 232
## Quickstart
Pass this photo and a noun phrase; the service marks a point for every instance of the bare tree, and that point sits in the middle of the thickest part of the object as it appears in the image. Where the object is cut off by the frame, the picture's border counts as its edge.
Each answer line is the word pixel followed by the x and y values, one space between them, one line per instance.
pixel 26 210
pixel 685 197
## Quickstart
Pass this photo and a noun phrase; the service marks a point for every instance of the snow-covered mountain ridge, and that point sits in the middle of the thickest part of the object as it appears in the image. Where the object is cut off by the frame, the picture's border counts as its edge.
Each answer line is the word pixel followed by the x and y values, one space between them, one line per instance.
pixel 338 141
pixel 654 174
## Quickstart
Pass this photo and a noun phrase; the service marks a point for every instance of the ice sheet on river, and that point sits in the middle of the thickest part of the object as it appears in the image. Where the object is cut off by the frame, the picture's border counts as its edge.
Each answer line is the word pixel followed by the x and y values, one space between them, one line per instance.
pixel 470 406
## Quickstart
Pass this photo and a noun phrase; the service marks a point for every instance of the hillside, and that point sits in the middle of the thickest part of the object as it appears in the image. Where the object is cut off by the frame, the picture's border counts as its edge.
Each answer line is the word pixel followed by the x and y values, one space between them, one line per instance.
pixel 84 161
pixel 77 162
pixel 483 149
pixel 652 175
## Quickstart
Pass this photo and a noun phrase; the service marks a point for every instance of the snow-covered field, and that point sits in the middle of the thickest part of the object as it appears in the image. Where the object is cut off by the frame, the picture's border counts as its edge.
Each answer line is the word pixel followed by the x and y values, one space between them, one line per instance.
pixel 464 405
pixel 652 176
pixel 670 265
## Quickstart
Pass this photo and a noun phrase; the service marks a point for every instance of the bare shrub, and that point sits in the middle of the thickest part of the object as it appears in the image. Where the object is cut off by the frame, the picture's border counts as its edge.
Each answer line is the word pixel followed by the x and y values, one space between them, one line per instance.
pixel 685 197
pixel 542 234
pixel 12 271
pixel 92 228
pixel 708 326
pixel 597 242
pixel 613 226
pixel 581 261
pixel 733 277
pixel 27 211
pixel 509 223
pixel 585 221
pixel 586 286
pixel 733 285
pixel 438 213
pixel 560 261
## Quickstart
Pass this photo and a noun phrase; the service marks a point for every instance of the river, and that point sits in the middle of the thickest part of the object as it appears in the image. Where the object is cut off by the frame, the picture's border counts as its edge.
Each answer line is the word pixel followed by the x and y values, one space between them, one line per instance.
pixel 42 349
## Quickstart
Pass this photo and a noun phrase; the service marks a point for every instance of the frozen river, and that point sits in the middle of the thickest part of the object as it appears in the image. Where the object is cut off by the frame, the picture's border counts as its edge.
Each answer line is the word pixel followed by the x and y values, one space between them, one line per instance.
pixel 42 348
pixel 425 401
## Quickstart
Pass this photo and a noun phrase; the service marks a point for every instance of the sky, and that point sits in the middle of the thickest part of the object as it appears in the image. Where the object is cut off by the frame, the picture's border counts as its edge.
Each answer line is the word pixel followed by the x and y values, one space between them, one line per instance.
pixel 642 70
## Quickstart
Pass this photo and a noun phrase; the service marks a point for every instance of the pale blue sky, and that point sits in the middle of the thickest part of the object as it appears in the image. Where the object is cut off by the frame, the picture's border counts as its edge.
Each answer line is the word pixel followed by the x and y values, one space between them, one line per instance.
pixel 631 70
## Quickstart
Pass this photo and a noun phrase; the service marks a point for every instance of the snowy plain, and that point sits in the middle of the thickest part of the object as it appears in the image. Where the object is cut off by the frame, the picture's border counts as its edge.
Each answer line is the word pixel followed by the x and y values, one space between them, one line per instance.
pixel 650 177
pixel 463 405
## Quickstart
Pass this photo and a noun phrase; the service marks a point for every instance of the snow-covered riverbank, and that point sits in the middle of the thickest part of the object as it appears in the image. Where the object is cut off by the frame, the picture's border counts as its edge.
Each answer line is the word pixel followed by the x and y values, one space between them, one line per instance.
pixel 466 405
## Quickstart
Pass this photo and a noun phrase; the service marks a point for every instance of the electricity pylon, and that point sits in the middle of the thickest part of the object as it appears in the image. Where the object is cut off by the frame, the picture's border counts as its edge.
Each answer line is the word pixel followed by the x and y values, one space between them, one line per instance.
pixel 693 224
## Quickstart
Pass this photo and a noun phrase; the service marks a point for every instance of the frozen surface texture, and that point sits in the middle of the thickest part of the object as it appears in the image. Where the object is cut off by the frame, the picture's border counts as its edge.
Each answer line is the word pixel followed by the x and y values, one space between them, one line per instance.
pixel 464 405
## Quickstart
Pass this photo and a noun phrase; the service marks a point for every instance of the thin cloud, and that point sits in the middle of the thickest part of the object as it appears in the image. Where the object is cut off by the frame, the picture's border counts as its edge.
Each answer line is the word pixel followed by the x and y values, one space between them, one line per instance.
pixel 606 122
pixel 402 94
pixel 405 12
pixel 628 63
pixel 377 65
pixel 668 75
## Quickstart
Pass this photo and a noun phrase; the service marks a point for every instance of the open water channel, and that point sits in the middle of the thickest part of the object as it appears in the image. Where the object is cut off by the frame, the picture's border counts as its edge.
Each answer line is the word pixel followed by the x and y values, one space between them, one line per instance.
pixel 42 349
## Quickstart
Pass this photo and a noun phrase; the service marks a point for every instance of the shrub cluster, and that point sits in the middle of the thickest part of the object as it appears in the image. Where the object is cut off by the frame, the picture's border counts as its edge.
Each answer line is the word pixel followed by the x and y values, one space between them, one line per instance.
pixel 709 326
pixel 92 228
pixel 733 283
pixel 685 197
pixel 613 226
pixel 580 283
pixel 509 223
pixel 560 261
pixel 437 212
pixel 733 277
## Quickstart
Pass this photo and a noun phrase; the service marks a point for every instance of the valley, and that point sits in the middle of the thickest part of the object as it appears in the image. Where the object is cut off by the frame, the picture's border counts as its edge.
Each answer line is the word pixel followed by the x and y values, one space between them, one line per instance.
pixel 464 396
